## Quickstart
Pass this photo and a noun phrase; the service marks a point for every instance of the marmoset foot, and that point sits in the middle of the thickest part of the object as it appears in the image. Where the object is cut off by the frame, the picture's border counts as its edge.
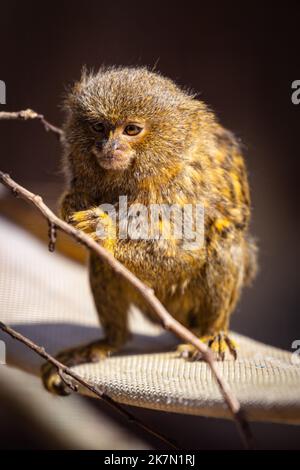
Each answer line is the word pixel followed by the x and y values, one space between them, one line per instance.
pixel 92 352
pixel 220 344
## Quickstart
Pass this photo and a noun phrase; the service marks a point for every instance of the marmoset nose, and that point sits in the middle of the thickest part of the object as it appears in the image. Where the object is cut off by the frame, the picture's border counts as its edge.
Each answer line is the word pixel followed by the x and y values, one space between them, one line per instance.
pixel 115 145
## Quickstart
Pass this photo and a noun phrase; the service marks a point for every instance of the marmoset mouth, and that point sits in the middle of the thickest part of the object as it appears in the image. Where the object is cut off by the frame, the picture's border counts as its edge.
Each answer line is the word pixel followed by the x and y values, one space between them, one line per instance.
pixel 116 154
pixel 117 160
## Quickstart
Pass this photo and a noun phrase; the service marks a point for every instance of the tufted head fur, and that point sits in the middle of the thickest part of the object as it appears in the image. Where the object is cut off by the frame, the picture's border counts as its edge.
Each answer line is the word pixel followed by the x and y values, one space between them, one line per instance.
pixel 131 120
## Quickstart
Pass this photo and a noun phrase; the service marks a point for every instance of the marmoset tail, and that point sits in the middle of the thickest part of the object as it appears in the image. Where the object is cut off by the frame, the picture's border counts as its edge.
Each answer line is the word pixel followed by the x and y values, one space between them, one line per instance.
pixel 134 133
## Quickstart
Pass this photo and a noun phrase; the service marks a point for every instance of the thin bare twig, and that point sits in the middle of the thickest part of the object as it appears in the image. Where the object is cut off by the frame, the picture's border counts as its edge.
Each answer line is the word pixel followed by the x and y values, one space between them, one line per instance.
pixel 64 372
pixel 30 114
pixel 167 321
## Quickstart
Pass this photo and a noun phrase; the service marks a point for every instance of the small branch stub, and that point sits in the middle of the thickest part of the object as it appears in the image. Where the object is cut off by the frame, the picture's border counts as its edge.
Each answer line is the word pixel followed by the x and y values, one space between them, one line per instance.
pixel 52 234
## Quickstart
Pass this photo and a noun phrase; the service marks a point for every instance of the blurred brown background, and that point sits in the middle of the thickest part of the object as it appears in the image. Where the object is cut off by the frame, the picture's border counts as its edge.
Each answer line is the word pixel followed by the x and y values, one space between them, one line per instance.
pixel 242 61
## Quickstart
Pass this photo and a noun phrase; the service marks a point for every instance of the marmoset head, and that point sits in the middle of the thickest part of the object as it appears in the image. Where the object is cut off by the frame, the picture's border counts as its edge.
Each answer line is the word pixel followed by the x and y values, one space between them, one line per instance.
pixel 130 117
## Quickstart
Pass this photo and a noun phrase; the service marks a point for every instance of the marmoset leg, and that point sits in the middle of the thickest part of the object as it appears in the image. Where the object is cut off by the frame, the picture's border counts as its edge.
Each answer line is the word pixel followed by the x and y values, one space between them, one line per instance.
pixel 222 281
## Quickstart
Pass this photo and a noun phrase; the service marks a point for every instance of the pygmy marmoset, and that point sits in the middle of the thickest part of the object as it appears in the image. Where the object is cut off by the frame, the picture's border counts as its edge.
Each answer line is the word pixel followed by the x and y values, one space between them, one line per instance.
pixel 132 132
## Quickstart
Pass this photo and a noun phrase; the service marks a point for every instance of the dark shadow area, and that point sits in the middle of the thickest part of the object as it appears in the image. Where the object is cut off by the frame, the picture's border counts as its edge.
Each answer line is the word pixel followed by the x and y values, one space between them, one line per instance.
pixel 55 337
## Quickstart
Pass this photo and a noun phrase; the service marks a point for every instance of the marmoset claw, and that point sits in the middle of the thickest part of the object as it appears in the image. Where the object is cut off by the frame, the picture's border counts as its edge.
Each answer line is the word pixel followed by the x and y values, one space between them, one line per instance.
pixel 89 220
pixel 220 344
pixel 59 383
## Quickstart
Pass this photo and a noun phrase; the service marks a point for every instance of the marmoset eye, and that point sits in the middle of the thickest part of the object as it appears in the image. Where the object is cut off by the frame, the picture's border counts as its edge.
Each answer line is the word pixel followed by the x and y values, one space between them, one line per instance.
pixel 98 127
pixel 132 129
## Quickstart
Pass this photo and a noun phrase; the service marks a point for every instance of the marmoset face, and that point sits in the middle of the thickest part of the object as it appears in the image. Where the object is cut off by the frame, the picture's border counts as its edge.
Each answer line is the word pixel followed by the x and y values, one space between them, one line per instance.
pixel 115 143
pixel 126 117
